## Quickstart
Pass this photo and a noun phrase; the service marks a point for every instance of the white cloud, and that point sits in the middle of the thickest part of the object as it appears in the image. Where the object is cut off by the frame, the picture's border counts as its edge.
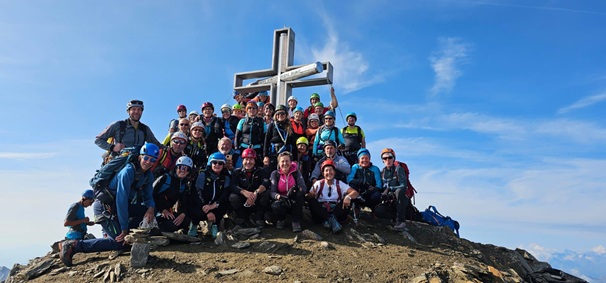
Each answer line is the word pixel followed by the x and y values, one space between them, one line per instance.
pixel 583 102
pixel 445 64
pixel 26 155
pixel 539 252
pixel 599 250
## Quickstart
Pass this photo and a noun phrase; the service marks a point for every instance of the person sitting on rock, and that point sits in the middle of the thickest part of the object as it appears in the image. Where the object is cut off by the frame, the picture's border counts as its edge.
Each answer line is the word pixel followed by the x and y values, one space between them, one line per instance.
pixel 117 208
pixel 209 201
pixel 250 198
pixel 76 220
pixel 394 200
pixel 366 179
pixel 330 199
pixel 288 192
pixel 169 189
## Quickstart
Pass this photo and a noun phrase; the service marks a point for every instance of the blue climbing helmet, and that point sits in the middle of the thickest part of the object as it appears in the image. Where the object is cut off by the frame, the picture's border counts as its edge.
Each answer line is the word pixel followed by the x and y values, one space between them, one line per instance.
pixel 363 151
pixel 330 113
pixel 298 109
pixel 352 114
pixel 217 156
pixel 89 194
pixel 150 149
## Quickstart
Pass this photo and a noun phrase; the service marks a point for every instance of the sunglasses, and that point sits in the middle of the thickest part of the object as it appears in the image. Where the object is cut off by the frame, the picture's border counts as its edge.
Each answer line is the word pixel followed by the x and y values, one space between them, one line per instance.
pixel 329 118
pixel 387 158
pixel 183 168
pixel 136 102
pixel 149 158
pixel 197 130
pixel 183 124
pixel 181 142
pixel 217 163
pixel 281 114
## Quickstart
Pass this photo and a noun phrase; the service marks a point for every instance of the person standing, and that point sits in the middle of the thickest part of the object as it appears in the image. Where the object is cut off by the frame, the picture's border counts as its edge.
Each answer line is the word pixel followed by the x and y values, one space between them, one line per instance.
pixel 129 133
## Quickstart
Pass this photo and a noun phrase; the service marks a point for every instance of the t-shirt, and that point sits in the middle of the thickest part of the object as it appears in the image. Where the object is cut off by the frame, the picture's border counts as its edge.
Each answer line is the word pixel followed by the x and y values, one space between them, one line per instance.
pixel 330 190
pixel 75 212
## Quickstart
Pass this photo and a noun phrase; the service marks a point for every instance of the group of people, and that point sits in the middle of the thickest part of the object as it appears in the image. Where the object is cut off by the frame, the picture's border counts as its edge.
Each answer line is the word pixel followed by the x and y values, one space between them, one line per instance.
pixel 255 163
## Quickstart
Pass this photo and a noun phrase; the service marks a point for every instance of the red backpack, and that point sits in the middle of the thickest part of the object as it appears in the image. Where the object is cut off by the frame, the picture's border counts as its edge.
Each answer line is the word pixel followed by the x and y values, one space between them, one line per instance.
pixel 410 190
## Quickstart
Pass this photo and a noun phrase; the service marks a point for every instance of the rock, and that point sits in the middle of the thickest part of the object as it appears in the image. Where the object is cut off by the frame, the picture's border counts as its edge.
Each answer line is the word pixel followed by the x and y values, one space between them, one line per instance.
pixel 409 237
pixel 118 270
pixel 241 245
pixel 38 269
pixel 159 241
pixel 273 270
pixel 180 237
pixel 308 234
pixel 221 238
pixel 266 246
pixel 139 254
pixel 99 274
pixel 379 238
pixel 229 271
pixel 325 245
pixel 246 274
pixel 246 231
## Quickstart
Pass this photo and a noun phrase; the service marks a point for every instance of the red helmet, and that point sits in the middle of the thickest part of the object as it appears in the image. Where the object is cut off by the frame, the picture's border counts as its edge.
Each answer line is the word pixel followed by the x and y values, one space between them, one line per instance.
pixel 181 108
pixel 327 162
pixel 208 104
pixel 249 153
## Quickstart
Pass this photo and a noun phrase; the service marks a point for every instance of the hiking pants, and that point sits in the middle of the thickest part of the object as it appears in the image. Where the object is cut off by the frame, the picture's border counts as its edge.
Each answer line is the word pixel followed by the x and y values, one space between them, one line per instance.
pixel 198 215
pixel 294 206
pixel 167 225
pixel 396 209
pixel 237 202
pixel 319 212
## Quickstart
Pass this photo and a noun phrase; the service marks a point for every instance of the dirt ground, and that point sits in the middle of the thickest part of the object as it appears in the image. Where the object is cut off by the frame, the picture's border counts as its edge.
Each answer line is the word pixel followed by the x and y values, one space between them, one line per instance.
pixel 367 252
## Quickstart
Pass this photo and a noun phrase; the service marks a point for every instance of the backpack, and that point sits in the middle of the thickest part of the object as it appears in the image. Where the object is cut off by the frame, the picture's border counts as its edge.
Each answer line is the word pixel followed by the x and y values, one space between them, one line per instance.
pixel 433 217
pixel 322 187
pixel 104 175
pixel 141 127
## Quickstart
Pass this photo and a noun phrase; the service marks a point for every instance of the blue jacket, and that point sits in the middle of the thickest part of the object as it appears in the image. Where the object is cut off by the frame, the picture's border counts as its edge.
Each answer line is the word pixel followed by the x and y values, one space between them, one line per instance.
pixel 374 171
pixel 126 192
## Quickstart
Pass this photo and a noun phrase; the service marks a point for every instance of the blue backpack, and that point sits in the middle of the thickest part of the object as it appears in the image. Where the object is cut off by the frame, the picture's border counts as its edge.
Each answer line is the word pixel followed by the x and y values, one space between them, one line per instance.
pixel 104 175
pixel 433 217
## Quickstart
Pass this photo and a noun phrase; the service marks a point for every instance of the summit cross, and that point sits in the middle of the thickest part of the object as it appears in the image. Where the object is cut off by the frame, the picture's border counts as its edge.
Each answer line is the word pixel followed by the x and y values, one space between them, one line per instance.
pixel 283 76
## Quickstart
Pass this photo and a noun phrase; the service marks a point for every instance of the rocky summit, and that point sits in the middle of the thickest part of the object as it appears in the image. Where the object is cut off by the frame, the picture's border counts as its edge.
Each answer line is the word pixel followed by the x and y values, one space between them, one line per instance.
pixel 369 251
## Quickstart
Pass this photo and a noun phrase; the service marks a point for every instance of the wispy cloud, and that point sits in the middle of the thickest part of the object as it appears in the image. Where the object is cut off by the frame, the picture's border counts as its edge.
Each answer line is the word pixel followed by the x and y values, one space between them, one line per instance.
pixel 26 155
pixel 445 63
pixel 350 66
pixel 583 102
pixel 547 8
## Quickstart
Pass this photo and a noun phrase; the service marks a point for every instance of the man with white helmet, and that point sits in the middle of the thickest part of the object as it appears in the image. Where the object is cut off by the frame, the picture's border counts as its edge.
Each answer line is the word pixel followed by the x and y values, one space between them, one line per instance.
pixel 169 190
pixel 292 104
pixel 129 133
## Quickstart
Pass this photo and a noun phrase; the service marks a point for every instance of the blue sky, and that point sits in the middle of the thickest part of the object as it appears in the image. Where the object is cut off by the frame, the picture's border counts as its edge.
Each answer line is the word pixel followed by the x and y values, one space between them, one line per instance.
pixel 495 105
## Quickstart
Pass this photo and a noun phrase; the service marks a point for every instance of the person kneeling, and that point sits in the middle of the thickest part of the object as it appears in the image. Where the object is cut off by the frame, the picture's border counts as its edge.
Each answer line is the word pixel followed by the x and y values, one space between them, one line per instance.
pixel 330 199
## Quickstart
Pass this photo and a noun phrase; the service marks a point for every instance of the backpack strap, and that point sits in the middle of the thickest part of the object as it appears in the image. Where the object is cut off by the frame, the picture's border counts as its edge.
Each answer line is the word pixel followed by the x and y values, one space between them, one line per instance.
pixel 122 130
pixel 338 189
pixel 359 134
pixel 321 187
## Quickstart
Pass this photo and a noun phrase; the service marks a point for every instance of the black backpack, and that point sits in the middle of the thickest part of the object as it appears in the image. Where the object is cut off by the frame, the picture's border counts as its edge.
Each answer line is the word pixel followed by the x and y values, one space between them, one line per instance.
pixel 104 175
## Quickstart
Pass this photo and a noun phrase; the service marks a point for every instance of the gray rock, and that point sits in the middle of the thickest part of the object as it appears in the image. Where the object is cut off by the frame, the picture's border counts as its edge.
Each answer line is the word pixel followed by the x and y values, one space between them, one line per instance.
pixel 38 269
pixel 273 270
pixel 229 271
pixel 241 245
pixel 118 270
pixel 180 237
pixel 246 231
pixel 221 238
pixel 379 238
pixel 308 234
pixel 139 254
pixel 159 241
pixel 266 246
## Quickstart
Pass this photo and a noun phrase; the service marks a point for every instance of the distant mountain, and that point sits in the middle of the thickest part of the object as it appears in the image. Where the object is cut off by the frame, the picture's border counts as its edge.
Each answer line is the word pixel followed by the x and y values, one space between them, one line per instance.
pixel 588 265
pixel 4 271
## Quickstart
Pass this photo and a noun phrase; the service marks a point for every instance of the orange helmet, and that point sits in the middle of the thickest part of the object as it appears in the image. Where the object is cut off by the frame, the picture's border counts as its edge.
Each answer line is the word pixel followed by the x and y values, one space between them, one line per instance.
pixel 388 150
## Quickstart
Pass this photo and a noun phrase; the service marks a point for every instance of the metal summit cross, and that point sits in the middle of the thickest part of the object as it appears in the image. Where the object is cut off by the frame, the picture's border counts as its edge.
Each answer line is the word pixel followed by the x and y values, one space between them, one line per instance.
pixel 283 76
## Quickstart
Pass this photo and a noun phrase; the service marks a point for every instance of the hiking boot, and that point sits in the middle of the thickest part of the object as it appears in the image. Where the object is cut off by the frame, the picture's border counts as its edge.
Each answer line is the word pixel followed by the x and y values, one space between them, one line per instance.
pixel 400 226
pixel 66 251
pixel 334 224
pixel 296 227
pixel 214 230
pixel 193 230
pixel 115 254
pixel 260 224
pixel 326 224
pixel 280 224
